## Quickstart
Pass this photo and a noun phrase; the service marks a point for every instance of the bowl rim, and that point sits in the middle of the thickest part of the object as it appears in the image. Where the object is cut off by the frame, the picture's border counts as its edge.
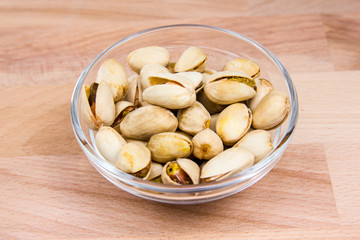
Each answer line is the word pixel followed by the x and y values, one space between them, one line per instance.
pixel 112 171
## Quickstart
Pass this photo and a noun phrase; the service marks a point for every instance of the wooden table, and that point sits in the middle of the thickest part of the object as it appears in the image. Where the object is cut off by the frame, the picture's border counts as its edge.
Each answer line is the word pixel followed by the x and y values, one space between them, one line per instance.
pixel 48 188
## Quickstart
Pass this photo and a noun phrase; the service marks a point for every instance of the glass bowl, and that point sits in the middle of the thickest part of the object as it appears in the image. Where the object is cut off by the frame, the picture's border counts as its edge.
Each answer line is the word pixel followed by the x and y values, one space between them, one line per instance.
pixel 220 45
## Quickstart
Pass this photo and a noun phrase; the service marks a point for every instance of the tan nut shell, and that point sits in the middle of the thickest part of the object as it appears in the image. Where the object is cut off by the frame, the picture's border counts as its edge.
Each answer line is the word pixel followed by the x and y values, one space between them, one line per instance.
pixel 120 107
pixel 209 105
pixel 192 59
pixel 168 146
pixel 227 163
pixel 188 166
pixel 134 93
pixel 263 87
pixel 213 120
pixel 207 144
pixel 146 55
pixel 195 77
pixel 258 142
pixel 251 68
pixel 221 89
pixel 109 142
pixel 155 170
pixel 112 72
pixel 133 158
pixel 149 70
pixel 146 121
pixel 233 123
pixel 193 119
pixel 271 111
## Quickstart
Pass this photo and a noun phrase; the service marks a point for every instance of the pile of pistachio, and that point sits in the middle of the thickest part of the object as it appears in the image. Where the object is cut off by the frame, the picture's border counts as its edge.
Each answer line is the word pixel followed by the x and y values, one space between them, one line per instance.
pixel 181 123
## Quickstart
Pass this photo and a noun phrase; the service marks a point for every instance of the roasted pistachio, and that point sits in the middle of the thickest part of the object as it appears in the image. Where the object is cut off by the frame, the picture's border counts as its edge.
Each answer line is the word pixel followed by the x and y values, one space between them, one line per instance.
pixel 122 108
pixel 149 70
pixel 146 55
pixel 155 171
pixel 207 144
pixel 213 120
pixel 251 68
pixel 209 105
pixel 192 59
pixel 134 93
pixel 193 119
pixel 263 87
pixel 195 77
pixel 181 171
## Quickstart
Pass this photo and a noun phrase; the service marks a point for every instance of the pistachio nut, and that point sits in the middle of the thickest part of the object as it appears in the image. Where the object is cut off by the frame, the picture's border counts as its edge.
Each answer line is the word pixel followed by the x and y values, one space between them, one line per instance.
pixel 229 87
pixel 114 74
pixel 122 108
pixel 263 87
pixel 195 77
pixel 181 171
pixel 170 91
pixel 251 68
pixel 192 59
pixel 209 105
pixel 258 142
pixel 146 55
pixel 149 70
pixel 213 120
pixel 207 144
pixel 155 172
pixel 193 119
pixel 146 121
pixel 168 146
pixel 139 142
pixel 271 111
pixel 97 105
pixel 109 142
pixel 134 93
pixel 226 164
pixel 233 123
pixel 135 160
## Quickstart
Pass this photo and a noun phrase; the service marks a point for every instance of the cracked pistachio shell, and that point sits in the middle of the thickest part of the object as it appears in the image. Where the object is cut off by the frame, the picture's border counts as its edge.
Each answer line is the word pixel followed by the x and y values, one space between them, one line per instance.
pixel 193 119
pixel 233 123
pixel 251 68
pixel 149 70
pixel 229 87
pixel 146 55
pixel 109 142
pixel 113 73
pixel 146 121
pixel 213 120
pixel 195 77
pixel 192 59
pixel 134 159
pixel 181 171
pixel 168 146
pixel 155 170
pixel 226 164
pixel 122 108
pixel 209 105
pixel 170 91
pixel 207 144
pixel 258 142
pixel 271 111
pixel 263 87
pixel 134 93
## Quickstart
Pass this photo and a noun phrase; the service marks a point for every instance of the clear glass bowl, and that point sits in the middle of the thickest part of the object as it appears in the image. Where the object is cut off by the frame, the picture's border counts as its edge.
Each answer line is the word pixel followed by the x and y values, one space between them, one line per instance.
pixel 220 45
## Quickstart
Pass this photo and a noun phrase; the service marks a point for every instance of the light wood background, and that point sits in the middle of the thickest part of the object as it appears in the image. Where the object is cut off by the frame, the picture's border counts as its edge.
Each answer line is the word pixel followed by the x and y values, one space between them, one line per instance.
pixel 49 190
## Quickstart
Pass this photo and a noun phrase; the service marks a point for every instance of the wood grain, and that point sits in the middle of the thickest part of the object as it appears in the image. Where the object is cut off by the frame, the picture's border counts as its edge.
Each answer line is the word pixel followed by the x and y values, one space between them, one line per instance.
pixel 49 190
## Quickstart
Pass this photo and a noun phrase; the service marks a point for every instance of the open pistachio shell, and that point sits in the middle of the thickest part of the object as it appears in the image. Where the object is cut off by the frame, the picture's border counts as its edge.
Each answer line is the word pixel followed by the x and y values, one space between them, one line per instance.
pixel 146 121
pixel 195 77
pixel 207 144
pixel 149 70
pixel 263 87
pixel 134 93
pixel 193 119
pixel 226 164
pixel 122 108
pixel 134 159
pixel 233 123
pixel 192 59
pixel 271 111
pixel 156 169
pixel 104 105
pixel 114 74
pixel 109 142
pixel 258 142
pixel 181 171
pixel 251 68
pixel 229 87
pixel 146 55
pixel 168 146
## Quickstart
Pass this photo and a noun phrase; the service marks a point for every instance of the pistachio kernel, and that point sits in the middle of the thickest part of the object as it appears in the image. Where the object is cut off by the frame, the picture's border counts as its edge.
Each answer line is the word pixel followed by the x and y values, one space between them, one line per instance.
pixel 177 174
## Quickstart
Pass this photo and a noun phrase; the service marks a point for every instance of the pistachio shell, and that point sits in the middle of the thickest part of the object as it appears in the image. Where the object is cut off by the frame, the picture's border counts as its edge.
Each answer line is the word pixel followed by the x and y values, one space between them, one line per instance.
pixel 156 169
pixel 207 144
pixel 213 120
pixel 192 59
pixel 195 77
pixel 133 159
pixel 258 142
pixel 113 73
pixel 233 122
pixel 134 93
pixel 193 119
pixel 271 111
pixel 122 108
pixel 251 68
pixel 146 55
pixel 139 142
pixel 229 87
pixel 146 121
pixel 86 112
pixel 185 168
pixel 149 70
pixel 109 142
pixel 168 146
pixel 209 105
pixel 263 87
pixel 226 164
pixel 104 107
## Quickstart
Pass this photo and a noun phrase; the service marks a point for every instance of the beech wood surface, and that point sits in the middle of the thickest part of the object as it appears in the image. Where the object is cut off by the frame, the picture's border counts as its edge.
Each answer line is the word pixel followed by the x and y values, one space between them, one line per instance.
pixel 49 190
